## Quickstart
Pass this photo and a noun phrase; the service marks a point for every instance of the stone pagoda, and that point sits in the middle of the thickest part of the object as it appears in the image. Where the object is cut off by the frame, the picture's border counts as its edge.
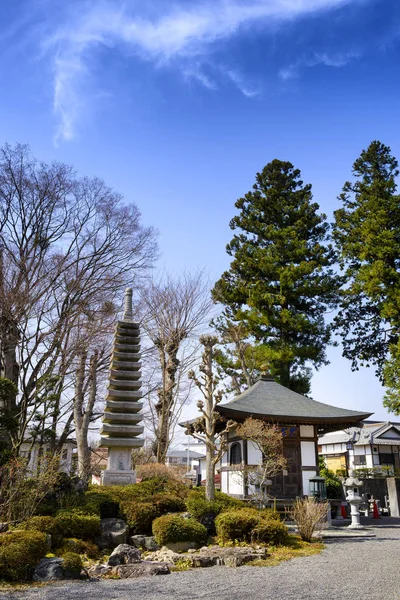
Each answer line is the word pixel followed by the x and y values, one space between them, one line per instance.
pixel 121 429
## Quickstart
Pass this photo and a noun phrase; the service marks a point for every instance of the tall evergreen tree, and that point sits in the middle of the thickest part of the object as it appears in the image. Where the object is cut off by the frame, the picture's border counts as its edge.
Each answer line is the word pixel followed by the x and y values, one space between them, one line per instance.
pixel 280 280
pixel 367 233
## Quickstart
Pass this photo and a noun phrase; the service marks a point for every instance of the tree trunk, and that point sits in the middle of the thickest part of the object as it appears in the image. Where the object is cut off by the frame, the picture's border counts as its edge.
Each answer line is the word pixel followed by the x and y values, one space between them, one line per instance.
pixel 169 367
pixel 210 473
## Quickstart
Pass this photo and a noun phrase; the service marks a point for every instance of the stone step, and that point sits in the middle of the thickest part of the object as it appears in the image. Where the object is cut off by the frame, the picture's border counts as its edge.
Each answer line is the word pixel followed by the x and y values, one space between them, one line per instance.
pixel 123 417
pixel 131 376
pixel 120 406
pixel 120 429
pixel 121 384
pixel 126 365
pixel 106 442
pixel 123 394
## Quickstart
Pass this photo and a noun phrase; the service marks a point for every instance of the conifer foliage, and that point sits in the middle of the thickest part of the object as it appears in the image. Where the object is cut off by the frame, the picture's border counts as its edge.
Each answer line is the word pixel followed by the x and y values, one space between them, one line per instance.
pixel 280 281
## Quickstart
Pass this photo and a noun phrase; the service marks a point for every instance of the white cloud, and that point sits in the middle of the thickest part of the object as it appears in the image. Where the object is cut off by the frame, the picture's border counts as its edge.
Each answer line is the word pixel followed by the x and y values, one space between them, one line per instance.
pixel 329 60
pixel 182 32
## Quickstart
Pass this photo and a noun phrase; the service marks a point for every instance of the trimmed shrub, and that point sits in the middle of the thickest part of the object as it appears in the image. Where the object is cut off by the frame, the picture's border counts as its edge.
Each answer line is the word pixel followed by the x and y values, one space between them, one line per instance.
pixel 20 551
pixel 270 531
pixel 166 503
pixel 74 524
pixel 79 547
pixel 248 524
pixel 140 515
pixel 72 565
pixel 170 529
pixel 44 525
pixel 155 471
pixel 198 506
pixel 100 504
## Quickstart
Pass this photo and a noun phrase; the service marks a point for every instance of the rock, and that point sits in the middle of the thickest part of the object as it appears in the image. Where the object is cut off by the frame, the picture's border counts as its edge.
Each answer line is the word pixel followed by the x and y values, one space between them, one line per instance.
pixel 124 555
pixel 137 541
pixel 113 532
pixel 186 515
pixel 182 546
pixel 164 555
pixel 142 569
pixel 131 571
pixel 150 543
pixel 3 527
pixel 208 520
pixel 49 569
pixel 144 542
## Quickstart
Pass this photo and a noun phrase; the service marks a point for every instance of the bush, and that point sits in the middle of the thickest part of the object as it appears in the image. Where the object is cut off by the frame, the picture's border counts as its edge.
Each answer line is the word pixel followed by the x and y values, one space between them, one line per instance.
pixel 79 547
pixel 44 525
pixel 140 516
pixel 166 503
pixel 155 471
pixel 74 524
pixel 198 506
pixel 170 529
pixel 20 551
pixel 103 505
pixel 248 524
pixel 72 564
pixel 270 531
pixel 309 514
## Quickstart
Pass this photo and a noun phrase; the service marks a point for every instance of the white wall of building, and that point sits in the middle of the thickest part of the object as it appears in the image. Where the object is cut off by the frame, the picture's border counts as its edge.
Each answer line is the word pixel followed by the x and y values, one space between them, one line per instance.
pixel 308 457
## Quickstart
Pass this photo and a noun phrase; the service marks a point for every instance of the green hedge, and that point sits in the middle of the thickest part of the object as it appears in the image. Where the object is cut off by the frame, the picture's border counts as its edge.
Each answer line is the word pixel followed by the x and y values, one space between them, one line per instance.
pixel 72 564
pixel 249 524
pixel 102 505
pixel 74 524
pixel 78 547
pixel 140 515
pixel 20 551
pixel 174 528
pixel 198 506
pixel 44 525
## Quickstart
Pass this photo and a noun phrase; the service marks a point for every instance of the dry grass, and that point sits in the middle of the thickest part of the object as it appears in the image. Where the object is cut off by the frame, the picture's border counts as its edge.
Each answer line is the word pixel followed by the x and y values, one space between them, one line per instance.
pixel 295 548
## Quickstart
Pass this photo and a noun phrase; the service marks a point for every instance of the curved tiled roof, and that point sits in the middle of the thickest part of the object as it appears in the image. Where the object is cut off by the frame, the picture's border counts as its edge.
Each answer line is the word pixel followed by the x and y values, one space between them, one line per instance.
pixel 266 398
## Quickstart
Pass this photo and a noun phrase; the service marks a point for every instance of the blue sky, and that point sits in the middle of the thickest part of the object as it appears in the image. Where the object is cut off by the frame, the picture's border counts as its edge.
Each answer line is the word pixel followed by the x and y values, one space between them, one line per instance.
pixel 178 104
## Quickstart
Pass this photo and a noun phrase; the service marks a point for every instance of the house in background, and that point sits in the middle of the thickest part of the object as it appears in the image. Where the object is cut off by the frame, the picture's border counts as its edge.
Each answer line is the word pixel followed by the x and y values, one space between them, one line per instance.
pixel 373 445
pixel 35 451
pixel 188 458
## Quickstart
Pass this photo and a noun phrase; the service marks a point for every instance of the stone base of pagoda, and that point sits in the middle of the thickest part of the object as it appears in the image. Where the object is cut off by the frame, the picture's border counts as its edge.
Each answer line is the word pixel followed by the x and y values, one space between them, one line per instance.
pixel 110 477
pixel 119 467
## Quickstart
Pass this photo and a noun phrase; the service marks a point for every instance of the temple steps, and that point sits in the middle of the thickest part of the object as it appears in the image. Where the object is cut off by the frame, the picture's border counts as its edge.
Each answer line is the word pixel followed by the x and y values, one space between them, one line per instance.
pixel 120 406
pixel 121 442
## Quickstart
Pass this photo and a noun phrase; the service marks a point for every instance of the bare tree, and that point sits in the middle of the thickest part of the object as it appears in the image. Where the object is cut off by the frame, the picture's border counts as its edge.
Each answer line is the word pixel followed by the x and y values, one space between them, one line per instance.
pixel 69 246
pixel 209 428
pixel 268 439
pixel 173 310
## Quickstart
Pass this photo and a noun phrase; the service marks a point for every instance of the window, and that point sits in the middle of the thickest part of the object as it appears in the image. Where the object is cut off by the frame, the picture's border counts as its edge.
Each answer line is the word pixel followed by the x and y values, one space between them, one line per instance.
pixel 236 454
pixel 386 459
pixel 360 460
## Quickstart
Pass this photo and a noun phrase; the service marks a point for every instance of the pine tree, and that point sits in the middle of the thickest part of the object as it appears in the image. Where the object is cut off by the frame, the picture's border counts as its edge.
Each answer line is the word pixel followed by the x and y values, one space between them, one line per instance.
pixel 280 280
pixel 367 233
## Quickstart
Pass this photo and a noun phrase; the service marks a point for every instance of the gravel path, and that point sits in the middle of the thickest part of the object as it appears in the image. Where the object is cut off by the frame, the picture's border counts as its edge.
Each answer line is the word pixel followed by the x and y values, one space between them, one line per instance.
pixel 347 569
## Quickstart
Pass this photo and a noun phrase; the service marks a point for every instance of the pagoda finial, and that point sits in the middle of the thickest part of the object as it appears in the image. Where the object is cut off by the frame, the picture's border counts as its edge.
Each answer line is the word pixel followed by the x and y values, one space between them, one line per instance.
pixel 128 316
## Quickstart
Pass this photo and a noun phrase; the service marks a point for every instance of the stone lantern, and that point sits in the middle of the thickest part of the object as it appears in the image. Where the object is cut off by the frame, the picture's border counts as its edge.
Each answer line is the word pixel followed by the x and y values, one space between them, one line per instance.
pixel 318 487
pixel 352 485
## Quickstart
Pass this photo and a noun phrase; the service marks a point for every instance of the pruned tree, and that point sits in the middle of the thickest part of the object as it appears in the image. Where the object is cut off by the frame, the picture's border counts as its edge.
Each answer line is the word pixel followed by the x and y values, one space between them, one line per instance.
pixel 69 246
pixel 209 428
pixel 268 440
pixel 173 309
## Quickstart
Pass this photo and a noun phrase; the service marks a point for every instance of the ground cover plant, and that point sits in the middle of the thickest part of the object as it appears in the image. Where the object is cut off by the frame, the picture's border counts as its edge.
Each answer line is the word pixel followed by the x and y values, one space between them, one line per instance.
pixel 251 525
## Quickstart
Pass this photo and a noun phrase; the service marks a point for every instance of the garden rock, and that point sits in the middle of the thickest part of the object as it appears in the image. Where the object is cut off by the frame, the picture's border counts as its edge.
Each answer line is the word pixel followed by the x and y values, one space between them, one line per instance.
pixel 124 555
pixel 209 556
pixel 113 532
pixel 144 542
pixel 182 546
pixel 142 569
pixel 49 569
pixel 165 555
pixel 3 527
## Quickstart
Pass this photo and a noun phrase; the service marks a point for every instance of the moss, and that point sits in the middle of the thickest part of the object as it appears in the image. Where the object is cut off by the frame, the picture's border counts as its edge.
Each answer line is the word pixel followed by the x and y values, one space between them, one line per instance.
pixel 170 529
pixel 20 551
pixel 79 547
pixel 294 548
